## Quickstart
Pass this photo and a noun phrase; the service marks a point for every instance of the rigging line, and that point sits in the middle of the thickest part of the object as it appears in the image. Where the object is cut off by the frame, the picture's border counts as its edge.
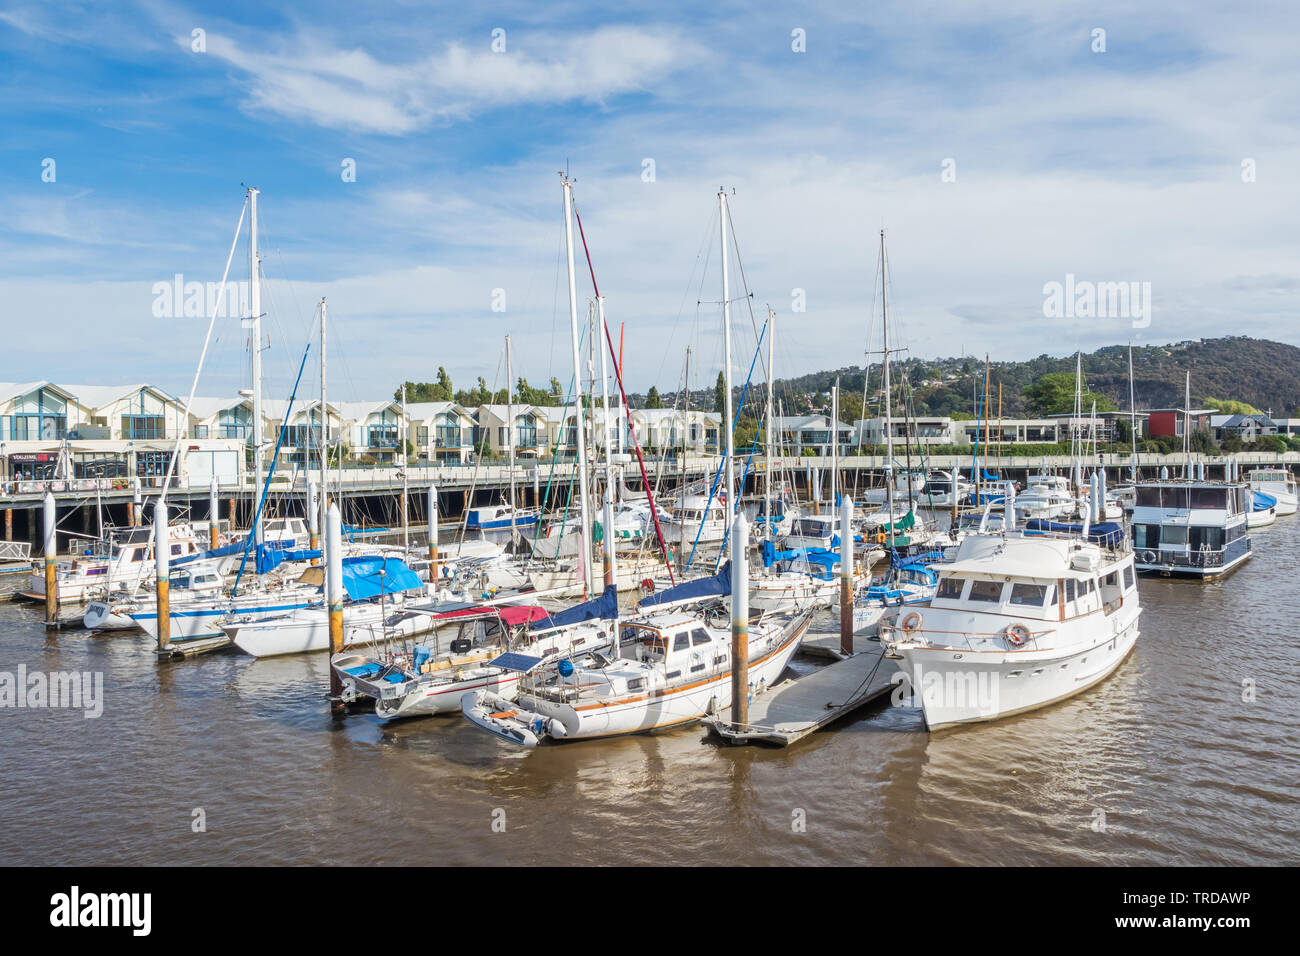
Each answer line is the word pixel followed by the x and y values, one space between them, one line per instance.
pixel 707 248
pixel 744 282
pixel 221 295
pixel 631 426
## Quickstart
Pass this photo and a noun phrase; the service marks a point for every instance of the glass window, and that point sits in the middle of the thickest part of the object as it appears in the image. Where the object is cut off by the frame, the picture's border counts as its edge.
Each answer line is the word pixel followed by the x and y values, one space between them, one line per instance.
pixel 1129 580
pixel 700 636
pixel 990 591
pixel 951 588
pixel 682 641
pixel 1030 595
pixel 1069 589
pixel 1174 534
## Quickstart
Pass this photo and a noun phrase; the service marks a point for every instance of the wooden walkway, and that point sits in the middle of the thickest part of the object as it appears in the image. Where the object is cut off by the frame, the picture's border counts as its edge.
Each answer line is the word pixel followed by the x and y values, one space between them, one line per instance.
pixel 796 708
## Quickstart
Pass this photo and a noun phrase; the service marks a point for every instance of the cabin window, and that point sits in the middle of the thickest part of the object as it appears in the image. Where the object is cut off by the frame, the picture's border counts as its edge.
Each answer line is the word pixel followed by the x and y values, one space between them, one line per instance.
pixel 1112 579
pixel 1070 589
pixel 1029 595
pixel 1146 536
pixel 1174 534
pixel 682 642
pixel 988 591
pixel 1129 581
pixel 1206 539
pixel 700 636
pixel 951 588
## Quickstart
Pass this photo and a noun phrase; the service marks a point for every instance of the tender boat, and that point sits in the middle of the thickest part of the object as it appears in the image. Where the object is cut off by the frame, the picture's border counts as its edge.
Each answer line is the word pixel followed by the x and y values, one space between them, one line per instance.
pixel 1263 510
pixel 1018 621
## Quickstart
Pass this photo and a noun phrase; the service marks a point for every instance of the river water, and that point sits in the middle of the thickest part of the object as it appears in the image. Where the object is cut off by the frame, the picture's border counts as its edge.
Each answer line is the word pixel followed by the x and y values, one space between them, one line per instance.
pixel 1163 763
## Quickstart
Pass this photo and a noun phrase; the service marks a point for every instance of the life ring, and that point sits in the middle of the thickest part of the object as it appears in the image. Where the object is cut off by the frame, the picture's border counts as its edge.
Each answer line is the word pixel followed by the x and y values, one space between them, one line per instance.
pixel 1017 634
pixel 911 622
pixel 1149 557
pixel 880 538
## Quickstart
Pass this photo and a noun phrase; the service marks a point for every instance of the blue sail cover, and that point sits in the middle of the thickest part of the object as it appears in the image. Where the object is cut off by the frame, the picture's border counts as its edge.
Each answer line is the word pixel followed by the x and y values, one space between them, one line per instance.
pixel 369 576
pixel 605 606
pixel 1263 502
pixel 719 585
pixel 268 557
pixel 1109 533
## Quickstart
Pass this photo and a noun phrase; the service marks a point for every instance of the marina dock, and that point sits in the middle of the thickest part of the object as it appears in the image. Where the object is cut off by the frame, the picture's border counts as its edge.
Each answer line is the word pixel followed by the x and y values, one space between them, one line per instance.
pixel 803 705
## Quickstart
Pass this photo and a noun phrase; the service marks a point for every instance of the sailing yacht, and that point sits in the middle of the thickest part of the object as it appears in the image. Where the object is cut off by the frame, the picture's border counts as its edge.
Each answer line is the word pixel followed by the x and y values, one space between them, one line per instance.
pixel 129 564
pixel 1018 621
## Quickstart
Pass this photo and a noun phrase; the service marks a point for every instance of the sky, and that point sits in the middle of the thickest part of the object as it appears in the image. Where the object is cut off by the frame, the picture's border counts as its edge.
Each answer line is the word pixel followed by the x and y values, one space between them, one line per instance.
pixel 1001 147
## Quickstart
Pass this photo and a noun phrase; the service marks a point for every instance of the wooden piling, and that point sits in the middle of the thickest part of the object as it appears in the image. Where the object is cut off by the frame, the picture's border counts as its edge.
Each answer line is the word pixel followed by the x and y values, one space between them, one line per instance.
pixel 334 597
pixel 846 575
pixel 739 622
pixel 313 520
pixel 51 579
pixel 433 534
pixel 161 564
pixel 214 516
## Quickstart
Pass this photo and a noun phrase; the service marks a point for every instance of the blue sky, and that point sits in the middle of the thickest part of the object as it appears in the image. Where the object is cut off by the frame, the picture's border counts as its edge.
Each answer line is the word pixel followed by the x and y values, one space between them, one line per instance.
pixel 1123 165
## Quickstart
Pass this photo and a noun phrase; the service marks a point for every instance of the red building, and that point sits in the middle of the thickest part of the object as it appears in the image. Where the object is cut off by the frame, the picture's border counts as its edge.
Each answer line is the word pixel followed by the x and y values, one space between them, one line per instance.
pixel 1169 421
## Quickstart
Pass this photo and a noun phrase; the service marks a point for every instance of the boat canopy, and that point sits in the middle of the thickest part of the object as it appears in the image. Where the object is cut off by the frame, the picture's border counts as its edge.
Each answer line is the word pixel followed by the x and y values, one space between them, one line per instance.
pixel 1263 502
pixel 511 615
pixel 719 585
pixel 267 558
pixel 605 606
pixel 369 576
pixel 1107 533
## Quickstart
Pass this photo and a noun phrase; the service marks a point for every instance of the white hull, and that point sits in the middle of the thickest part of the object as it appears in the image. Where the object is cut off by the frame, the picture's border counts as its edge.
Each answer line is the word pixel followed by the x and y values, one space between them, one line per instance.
pixel 307 630
pixel 192 620
pixel 956 686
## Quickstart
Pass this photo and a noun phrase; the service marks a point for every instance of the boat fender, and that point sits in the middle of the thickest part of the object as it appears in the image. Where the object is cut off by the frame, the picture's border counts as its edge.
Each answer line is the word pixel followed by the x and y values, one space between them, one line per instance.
pixel 1017 634
pixel 911 622
pixel 556 728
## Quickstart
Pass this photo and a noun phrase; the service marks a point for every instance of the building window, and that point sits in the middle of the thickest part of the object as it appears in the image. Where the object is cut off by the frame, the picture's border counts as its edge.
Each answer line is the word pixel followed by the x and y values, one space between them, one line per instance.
pixel 40 415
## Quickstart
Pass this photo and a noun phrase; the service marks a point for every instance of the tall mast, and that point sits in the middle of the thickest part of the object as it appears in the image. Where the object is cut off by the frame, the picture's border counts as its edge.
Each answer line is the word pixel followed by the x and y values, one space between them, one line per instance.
pixel 402 433
pixel 732 503
pixel 255 348
pixel 1132 412
pixel 324 425
pixel 835 442
pixel 584 556
pixel 889 407
pixel 1187 424
pixel 510 430
pixel 608 539
pixel 686 419
pixel 767 488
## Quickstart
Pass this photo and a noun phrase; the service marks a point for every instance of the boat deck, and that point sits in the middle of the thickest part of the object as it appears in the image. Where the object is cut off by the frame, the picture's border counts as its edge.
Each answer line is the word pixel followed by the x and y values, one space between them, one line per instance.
pixel 796 708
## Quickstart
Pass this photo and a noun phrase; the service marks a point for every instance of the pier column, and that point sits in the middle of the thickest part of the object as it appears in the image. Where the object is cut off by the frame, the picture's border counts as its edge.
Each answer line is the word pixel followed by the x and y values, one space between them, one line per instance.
pixel 739 623
pixel 433 534
pixel 846 575
pixel 9 524
pixel 334 597
pixel 214 515
pixel 232 511
pixel 161 566
pixel 51 580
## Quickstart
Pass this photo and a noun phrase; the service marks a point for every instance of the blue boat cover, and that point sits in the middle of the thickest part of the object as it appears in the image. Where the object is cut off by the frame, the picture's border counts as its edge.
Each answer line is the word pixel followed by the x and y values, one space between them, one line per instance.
pixel 1108 533
pixel 719 585
pixel 1263 502
pixel 605 606
pixel 369 576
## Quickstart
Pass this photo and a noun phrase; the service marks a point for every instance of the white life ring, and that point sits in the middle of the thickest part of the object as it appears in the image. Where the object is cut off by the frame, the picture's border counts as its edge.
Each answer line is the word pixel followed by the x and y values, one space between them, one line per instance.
pixel 1149 557
pixel 910 622
pixel 1017 634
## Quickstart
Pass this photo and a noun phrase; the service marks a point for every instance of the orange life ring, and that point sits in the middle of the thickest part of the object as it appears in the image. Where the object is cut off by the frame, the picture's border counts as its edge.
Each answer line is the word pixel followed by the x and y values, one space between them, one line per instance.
pixel 910 622
pixel 1017 634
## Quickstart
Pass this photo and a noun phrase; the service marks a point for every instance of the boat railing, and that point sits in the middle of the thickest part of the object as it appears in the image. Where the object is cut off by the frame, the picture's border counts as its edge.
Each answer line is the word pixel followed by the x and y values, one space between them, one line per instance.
pixel 967 636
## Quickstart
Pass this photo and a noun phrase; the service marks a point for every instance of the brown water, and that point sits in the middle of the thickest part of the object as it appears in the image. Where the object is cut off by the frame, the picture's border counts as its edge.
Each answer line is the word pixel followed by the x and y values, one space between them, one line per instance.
pixel 1184 770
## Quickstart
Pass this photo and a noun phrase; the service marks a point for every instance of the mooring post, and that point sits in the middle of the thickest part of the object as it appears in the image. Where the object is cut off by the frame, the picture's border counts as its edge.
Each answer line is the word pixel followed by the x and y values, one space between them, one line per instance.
pixel 608 539
pixel 334 596
pixel 846 575
pixel 313 520
pixel 161 562
pixel 51 579
pixel 740 623
pixel 214 516
pixel 433 534
pixel 134 514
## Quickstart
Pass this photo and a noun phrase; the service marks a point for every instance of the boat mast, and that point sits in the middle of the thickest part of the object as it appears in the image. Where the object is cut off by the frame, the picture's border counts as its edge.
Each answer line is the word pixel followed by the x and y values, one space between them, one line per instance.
pixel 406 523
pixel 835 442
pixel 767 488
pixel 324 428
pixel 255 350
pixel 510 433
pixel 889 408
pixel 1132 413
pixel 1187 424
pixel 681 550
pixel 584 553
pixel 608 538
pixel 732 503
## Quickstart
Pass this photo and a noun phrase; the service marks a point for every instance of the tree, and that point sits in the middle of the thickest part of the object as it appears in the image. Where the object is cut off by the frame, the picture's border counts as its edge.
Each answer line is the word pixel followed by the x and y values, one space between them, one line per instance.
pixel 652 399
pixel 528 395
pixel 1053 394
pixel 720 393
pixel 439 391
